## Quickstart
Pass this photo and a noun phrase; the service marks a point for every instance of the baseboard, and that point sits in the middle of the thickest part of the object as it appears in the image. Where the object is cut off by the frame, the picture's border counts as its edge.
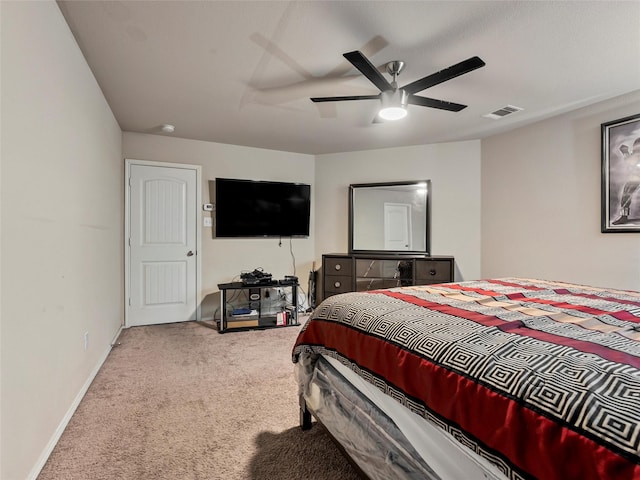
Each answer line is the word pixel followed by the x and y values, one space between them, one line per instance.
pixel 67 418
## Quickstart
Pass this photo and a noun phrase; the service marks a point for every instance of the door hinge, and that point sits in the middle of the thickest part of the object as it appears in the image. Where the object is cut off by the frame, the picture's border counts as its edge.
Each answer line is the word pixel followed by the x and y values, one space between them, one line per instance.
pixel 129 301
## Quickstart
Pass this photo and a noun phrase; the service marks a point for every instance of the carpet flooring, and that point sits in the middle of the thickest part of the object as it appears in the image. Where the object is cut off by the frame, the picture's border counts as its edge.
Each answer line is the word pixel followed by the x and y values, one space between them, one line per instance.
pixel 181 401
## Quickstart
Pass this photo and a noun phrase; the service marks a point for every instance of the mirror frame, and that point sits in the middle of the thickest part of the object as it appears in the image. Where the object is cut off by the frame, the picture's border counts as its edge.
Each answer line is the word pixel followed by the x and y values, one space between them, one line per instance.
pixel 352 192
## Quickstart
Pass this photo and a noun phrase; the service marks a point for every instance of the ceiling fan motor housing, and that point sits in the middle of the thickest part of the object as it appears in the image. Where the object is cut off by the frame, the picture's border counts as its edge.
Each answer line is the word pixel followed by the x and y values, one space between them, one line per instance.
pixel 394 68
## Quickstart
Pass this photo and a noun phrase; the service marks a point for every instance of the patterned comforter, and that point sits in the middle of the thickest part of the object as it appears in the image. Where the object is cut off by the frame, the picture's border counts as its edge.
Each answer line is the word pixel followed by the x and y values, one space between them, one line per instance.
pixel 541 378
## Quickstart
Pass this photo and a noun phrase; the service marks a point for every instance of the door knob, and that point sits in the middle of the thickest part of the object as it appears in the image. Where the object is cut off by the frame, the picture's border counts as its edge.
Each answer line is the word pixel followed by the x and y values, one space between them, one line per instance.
pixel 189 253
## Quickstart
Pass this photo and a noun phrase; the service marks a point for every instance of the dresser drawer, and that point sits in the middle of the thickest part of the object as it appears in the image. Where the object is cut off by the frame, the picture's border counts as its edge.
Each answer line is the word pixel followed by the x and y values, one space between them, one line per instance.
pixel 337 284
pixel 433 271
pixel 342 266
pixel 365 284
pixel 373 267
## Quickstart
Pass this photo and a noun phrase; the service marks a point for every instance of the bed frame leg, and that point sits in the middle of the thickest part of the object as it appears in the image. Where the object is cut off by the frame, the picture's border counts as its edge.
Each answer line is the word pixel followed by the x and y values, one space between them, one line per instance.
pixel 305 415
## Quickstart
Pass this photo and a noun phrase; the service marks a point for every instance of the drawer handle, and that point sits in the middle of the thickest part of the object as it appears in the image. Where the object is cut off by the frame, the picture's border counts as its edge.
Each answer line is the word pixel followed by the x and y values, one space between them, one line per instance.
pixel 432 271
pixel 337 284
pixel 338 266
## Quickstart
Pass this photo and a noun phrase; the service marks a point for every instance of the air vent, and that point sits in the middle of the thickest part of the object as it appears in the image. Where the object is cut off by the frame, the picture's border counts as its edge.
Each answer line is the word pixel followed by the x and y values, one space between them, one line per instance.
pixel 502 112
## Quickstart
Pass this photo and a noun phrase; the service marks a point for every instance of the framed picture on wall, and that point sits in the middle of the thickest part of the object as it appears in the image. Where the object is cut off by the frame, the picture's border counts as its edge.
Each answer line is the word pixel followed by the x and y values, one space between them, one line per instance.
pixel 621 175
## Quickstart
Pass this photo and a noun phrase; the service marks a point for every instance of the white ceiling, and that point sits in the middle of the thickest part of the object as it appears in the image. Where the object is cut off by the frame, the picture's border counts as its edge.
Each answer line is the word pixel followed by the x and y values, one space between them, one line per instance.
pixel 242 72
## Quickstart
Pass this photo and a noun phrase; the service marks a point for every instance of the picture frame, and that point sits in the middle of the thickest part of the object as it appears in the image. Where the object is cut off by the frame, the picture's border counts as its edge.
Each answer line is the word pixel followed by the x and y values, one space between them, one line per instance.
pixel 620 211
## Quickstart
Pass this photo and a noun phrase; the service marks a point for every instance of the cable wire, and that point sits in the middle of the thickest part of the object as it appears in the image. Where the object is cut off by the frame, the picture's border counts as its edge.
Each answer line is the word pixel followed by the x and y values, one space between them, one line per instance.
pixel 292 255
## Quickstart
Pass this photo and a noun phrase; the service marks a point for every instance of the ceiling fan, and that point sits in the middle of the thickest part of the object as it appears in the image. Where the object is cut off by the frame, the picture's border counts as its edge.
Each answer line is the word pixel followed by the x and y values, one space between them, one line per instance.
pixel 395 100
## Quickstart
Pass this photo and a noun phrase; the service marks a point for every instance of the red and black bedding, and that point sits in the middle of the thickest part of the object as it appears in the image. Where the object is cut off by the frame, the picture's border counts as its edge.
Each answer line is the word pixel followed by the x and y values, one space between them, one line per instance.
pixel 541 378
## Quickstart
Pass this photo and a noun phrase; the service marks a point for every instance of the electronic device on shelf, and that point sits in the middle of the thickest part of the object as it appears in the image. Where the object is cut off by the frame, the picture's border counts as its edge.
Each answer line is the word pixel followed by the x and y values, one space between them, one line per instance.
pixel 289 280
pixel 256 277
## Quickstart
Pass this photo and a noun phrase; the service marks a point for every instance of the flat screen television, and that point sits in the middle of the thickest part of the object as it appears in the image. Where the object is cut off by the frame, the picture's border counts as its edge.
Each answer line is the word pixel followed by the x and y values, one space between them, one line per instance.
pixel 251 208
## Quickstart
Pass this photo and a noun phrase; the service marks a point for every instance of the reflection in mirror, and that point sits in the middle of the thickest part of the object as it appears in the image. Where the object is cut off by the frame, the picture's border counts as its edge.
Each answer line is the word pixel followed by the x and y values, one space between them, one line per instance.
pixel 389 217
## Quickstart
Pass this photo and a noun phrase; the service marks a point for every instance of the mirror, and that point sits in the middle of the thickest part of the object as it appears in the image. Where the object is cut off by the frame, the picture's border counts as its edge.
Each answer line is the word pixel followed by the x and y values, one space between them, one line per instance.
pixel 389 217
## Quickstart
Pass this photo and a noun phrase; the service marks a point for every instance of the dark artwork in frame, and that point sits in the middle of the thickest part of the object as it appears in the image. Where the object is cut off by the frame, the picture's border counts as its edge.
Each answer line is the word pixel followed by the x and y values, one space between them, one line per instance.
pixel 621 175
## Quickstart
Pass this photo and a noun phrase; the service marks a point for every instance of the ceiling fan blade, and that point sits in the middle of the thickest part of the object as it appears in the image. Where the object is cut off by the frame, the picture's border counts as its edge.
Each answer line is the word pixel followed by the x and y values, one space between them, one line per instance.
pixel 453 71
pixel 359 61
pixel 433 103
pixel 341 99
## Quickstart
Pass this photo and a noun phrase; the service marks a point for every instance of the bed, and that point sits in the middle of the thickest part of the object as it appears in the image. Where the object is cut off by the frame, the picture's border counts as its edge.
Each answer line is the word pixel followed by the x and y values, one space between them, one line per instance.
pixel 505 378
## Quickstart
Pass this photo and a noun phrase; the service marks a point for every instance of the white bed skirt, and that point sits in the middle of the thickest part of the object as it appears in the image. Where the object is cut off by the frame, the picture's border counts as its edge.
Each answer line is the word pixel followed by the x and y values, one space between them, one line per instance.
pixel 386 440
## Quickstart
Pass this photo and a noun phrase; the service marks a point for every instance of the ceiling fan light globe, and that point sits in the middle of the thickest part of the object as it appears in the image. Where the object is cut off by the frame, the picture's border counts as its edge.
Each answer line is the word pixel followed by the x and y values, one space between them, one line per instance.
pixel 394 104
pixel 392 113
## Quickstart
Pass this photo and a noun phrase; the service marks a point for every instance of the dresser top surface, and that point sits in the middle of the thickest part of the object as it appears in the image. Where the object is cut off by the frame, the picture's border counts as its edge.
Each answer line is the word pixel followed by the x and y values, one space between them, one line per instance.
pixel 389 256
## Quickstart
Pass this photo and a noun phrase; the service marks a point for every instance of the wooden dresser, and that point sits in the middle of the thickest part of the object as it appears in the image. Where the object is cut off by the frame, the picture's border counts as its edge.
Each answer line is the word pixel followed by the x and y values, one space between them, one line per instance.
pixel 343 273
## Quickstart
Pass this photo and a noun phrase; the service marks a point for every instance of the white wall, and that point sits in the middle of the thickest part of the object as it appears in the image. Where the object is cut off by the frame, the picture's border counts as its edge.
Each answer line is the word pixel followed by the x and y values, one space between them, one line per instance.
pixel 61 246
pixel 541 202
pixel 223 259
pixel 454 171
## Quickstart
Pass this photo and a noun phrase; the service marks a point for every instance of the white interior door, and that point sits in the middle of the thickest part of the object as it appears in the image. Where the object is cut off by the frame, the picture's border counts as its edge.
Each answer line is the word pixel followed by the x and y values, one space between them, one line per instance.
pixel 397 226
pixel 162 237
